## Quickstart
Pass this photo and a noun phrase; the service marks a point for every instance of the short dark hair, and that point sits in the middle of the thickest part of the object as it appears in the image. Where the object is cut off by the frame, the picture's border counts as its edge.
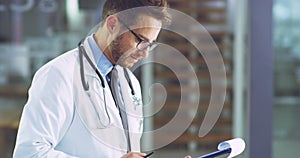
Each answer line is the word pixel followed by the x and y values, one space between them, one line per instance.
pixel 157 9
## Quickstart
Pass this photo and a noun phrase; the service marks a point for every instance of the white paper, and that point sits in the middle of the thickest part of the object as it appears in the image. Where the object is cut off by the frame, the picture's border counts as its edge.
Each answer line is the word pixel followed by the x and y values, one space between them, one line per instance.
pixel 237 146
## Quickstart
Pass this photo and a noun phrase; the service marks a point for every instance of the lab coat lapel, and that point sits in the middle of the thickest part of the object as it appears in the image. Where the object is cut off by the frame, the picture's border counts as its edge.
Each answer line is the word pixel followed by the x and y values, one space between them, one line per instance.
pixel 93 78
pixel 134 113
pixel 91 107
pixel 132 109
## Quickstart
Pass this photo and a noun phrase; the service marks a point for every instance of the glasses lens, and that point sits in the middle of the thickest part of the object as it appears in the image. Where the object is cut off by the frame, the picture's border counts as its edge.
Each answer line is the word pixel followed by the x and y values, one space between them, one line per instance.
pixel 144 45
pixel 153 45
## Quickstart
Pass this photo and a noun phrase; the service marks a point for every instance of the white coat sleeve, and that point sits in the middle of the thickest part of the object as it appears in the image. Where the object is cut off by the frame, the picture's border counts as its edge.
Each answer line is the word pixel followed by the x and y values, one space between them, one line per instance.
pixel 46 116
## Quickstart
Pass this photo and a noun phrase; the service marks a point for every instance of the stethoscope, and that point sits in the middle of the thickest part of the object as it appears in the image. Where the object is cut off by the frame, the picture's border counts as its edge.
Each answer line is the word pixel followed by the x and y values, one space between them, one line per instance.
pixel 82 52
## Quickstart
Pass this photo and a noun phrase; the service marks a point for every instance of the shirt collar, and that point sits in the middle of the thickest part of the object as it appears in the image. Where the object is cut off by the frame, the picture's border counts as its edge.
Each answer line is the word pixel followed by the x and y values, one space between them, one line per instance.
pixel 103 64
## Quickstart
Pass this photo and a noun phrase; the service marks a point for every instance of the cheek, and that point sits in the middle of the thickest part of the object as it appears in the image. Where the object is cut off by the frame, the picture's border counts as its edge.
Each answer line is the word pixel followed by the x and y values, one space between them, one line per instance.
pixel 128 47
pixel 128 41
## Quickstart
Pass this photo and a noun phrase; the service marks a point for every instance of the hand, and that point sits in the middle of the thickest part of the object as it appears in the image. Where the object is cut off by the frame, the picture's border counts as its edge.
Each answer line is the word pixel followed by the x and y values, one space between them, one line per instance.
pixel 188 157
pixel 134 155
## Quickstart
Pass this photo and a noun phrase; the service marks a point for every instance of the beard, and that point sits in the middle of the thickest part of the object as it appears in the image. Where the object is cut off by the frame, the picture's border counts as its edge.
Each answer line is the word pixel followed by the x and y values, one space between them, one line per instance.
pixel 116 49
pixel 118 54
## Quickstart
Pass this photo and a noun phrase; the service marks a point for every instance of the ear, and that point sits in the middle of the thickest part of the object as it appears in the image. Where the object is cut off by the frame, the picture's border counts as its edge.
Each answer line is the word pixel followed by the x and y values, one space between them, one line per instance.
pixel 112 23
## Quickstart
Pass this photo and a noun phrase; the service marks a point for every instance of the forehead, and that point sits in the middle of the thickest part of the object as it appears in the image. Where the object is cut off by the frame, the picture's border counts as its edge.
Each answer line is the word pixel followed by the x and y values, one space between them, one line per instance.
pixel 147 27
pixel 146 21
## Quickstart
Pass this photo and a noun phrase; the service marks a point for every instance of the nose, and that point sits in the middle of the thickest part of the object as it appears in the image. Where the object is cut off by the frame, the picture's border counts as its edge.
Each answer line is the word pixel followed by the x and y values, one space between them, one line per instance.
pixel 144 53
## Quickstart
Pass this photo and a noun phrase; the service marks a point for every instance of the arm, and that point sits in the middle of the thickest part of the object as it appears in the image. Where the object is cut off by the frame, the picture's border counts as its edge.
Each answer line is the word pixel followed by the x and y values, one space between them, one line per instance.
pixel 46 116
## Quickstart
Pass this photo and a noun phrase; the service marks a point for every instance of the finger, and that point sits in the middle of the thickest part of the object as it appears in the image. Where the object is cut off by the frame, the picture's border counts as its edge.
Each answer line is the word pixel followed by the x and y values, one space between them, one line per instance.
pixel 134 155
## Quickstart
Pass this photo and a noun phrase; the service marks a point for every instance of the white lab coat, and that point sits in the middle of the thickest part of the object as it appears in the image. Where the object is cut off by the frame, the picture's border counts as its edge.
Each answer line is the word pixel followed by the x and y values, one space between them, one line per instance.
pixel 59 119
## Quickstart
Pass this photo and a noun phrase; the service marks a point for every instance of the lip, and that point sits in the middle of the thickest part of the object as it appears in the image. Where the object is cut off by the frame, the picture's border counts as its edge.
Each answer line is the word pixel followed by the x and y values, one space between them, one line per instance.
pixel 134 58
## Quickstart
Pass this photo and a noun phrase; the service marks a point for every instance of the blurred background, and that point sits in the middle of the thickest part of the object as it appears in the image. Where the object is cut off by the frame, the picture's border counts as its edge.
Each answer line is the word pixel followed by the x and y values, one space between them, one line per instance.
pixel 32 32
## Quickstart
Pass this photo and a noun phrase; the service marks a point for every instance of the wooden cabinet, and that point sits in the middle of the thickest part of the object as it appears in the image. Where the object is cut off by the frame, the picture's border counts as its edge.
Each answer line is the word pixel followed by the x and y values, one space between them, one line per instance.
pixel 179 85
pixel 12 100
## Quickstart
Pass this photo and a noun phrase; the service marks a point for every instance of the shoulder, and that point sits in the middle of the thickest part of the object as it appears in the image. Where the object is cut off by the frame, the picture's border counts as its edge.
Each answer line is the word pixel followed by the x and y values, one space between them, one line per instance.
pixel 58 72
pixel 63 64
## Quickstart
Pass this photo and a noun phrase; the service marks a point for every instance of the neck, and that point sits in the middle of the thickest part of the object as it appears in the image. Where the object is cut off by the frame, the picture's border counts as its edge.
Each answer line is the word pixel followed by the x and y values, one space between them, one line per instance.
pixel 103 43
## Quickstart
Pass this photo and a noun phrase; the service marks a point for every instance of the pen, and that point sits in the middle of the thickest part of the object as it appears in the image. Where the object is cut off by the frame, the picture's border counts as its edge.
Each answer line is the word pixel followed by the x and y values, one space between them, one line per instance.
pixel 149 154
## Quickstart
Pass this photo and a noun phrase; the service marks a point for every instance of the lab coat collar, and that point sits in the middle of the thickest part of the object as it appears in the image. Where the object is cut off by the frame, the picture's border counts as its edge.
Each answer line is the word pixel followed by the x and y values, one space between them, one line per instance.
pixel 103 64
pixel 89 71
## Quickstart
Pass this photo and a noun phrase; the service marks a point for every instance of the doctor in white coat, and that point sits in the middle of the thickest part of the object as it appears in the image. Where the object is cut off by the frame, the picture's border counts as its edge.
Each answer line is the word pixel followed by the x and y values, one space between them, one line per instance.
pixel 71 111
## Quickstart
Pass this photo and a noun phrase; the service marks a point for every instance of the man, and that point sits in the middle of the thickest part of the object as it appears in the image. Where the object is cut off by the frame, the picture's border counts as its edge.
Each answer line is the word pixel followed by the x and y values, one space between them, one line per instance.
pixel 85 103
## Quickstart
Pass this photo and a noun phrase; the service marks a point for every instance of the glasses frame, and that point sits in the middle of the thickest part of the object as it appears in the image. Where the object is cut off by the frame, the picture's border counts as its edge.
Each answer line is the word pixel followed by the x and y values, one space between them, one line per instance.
pixel 138 46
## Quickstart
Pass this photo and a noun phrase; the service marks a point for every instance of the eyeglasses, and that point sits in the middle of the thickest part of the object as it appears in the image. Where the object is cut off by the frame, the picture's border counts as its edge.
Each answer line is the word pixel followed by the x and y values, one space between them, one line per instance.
pixel 142 44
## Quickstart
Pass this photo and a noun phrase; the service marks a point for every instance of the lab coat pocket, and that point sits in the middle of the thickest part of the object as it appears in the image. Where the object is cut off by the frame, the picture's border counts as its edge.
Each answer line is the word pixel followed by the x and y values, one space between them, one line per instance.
pixel 140 122
pixel 136 129
pixel 135 124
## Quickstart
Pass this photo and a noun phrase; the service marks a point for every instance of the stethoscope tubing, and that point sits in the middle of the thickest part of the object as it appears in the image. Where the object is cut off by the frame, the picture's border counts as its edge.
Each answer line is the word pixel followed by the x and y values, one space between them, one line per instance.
pixel 85 85
pixel 82 53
